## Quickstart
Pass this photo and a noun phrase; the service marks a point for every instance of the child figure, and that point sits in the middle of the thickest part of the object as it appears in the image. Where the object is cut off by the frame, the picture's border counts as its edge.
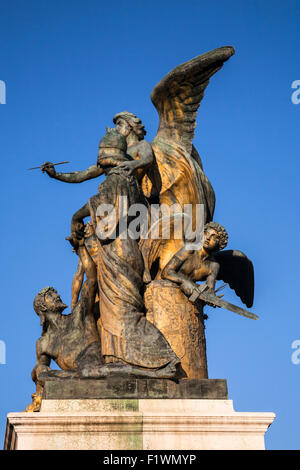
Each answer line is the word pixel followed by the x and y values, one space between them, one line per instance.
pixel 210 264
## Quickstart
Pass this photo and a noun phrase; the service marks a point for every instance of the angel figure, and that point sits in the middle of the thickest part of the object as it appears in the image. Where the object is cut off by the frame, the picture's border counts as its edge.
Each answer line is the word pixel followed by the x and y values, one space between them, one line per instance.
pixel 169 170
pixel 210 264
pixel 180 179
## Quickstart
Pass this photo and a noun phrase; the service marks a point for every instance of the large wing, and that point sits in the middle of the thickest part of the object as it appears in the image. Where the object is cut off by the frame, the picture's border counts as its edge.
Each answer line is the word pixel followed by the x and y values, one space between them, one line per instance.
pixel 237 270
pixel 178 95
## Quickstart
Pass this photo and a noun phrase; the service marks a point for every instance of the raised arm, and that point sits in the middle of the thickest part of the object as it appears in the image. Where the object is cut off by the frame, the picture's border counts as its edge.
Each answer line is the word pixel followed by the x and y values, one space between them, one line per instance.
pixel 85 307
pixel 76 176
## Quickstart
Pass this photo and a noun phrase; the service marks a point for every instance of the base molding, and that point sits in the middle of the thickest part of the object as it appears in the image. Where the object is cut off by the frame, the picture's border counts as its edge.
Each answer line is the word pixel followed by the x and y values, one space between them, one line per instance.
pixel 137 424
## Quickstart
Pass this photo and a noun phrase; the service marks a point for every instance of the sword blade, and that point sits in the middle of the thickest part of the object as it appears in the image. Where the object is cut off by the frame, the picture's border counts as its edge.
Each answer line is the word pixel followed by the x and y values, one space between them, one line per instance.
pixel 213 299
pixel 228 306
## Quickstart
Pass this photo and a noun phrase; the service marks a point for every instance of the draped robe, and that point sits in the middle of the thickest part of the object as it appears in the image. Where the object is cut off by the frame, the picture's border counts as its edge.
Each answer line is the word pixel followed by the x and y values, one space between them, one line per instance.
pixel 126 334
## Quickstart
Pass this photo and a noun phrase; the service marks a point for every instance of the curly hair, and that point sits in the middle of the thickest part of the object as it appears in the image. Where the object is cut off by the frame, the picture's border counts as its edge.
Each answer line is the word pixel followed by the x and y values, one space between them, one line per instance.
pixel 134 122
pixel 39 299
pixel 223 235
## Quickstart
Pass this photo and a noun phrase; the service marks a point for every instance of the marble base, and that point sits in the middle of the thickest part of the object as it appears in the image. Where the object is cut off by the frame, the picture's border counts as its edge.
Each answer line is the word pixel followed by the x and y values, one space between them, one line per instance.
pixel 136 424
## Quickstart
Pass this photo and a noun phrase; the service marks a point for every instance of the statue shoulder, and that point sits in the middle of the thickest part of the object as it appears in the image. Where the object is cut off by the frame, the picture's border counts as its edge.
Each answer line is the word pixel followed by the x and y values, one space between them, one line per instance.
pixel 214 266
pixel 139 147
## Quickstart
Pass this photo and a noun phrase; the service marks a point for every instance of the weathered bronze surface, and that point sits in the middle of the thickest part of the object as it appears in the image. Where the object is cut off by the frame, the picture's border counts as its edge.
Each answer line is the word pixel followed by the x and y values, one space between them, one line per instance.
pixel 72 341
pixel 181 323
pixel 135 312
pixel 113 387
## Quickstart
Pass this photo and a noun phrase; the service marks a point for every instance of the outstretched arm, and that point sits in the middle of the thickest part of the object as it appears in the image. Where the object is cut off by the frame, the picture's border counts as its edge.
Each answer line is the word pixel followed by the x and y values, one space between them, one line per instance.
pixel 75 177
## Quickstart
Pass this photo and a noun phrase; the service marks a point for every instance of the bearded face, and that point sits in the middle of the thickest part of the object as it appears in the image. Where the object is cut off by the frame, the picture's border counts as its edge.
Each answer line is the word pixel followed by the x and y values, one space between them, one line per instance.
pixel 53 302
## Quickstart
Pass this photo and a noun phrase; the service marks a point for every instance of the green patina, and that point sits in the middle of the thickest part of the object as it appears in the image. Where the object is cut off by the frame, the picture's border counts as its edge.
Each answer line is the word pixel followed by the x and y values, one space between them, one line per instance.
pixel 124 404
pixel 131 437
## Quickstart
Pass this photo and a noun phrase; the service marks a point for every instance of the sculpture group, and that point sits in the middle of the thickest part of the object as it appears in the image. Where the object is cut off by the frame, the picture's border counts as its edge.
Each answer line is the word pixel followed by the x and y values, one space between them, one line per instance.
pixel 137 309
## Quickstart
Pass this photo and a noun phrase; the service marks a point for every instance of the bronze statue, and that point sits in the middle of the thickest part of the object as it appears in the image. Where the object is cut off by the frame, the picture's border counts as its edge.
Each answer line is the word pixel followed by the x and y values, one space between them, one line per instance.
pixel 208 263
pixel 72 341
pixel 126 335
pixel 177 174
pixel 140 292
pixel 138 149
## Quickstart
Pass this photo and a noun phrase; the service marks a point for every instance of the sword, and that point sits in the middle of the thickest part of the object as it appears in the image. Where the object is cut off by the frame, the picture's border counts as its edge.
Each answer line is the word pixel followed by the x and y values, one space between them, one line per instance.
pixel 45 166
pixel 202 294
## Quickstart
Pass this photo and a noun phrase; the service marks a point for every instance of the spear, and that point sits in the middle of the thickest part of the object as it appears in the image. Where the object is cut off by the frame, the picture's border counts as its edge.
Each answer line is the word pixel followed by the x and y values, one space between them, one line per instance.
pixel 45 166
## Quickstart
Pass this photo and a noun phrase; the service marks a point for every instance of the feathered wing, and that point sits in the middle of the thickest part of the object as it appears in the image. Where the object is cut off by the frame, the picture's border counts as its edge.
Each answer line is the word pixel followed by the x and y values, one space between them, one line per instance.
pixel 178 95
pixel 237 270
pixel 178 176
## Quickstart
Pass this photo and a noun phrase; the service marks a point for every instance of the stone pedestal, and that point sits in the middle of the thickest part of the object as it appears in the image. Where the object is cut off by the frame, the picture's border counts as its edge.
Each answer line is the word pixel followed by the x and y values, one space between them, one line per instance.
pixel 138 423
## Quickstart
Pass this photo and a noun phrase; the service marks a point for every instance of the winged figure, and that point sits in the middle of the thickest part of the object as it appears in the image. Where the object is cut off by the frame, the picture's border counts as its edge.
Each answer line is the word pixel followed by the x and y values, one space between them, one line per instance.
pixel 170 174
pixel 210 264
pixel 169 170
pixel 236 269
pixel 180 179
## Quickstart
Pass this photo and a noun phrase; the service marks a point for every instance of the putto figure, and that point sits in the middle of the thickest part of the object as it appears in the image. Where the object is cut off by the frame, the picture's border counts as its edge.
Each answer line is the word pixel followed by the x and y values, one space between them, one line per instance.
pixel 85 277
pixel 209 263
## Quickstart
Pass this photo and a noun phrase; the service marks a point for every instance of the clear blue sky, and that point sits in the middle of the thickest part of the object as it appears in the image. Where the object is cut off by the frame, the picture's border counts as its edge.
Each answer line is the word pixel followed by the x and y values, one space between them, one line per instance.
pixel 69 66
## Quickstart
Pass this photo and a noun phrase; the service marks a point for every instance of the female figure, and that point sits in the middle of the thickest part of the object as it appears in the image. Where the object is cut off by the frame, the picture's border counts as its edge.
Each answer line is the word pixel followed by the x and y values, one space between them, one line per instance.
pixel 138 149
pixel 127 337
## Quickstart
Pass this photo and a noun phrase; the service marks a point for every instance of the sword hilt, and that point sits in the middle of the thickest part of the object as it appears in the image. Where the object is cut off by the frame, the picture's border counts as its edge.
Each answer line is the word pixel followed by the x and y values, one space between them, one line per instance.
pixel 197 291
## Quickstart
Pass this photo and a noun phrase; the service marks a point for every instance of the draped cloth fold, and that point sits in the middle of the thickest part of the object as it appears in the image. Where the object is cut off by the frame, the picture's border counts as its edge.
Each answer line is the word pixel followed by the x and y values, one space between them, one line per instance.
pixel 180 181
pixel 126 334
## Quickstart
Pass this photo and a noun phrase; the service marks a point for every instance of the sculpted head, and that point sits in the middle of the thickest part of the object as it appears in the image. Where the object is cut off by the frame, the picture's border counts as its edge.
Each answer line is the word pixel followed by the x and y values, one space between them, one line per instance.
pixel 215 237
pixel 127 123
pixel 47 300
